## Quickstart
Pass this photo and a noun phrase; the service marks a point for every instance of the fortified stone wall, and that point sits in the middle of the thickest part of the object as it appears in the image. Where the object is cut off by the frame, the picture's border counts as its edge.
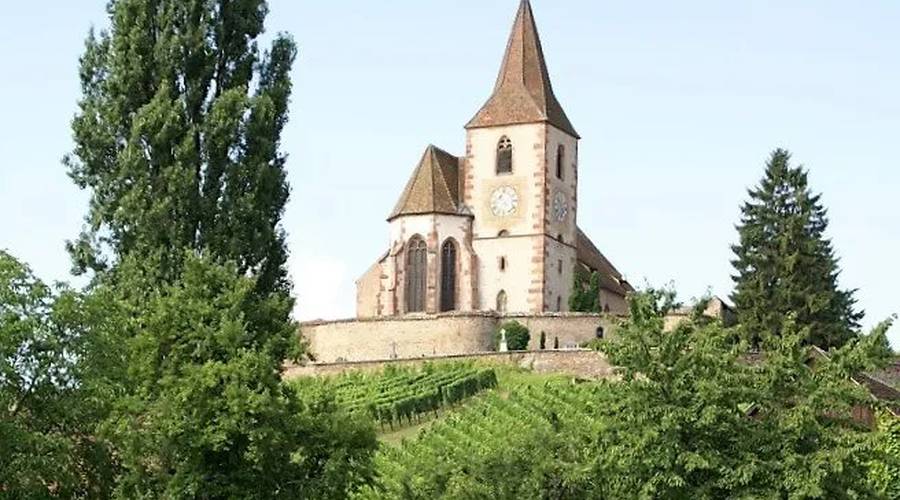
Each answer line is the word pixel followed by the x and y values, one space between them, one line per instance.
pixel 572 329
pixel 431 335
pixel 578 363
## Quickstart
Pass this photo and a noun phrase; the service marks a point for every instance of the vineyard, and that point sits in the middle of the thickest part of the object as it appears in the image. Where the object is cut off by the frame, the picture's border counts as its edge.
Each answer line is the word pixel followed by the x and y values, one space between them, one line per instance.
pixel 551 417
pixel 397 396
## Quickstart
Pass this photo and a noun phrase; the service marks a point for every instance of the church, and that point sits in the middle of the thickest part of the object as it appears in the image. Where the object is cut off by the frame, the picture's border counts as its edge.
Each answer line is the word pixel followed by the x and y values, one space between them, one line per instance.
pixel 495 228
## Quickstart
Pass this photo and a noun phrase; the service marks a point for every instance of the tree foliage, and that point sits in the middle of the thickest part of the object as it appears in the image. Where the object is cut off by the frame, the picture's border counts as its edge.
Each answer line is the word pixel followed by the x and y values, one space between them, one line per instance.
pixel 52 348
pixel 886 466
pixel 177 141
pixel 177 138
pixel 585 292
pixel 784 263
pixel 699 417
pixel 205 412
pixel 517 335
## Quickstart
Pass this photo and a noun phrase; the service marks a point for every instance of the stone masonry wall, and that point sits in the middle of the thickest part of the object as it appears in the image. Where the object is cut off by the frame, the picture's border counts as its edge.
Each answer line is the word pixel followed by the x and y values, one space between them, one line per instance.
pixel 431 335
pixel 577 363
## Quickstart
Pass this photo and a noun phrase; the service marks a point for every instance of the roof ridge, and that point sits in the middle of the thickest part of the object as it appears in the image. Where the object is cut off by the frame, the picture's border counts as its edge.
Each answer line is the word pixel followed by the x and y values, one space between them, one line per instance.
pixel 438 177
pixel 430 188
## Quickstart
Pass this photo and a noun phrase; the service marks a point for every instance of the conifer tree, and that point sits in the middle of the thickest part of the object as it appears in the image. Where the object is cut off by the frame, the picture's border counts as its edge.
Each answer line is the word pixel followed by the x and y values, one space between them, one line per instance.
pixel 785 264
pixel 177 138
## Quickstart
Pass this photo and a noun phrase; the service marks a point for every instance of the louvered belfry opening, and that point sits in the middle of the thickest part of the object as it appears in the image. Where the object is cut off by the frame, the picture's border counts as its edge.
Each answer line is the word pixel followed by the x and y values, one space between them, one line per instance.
pixel 448 276
pixel 504 156
pixel 416 277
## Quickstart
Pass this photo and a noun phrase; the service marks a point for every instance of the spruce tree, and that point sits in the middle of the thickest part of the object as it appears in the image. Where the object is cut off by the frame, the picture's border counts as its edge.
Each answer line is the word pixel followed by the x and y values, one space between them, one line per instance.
pixel 785 264
pixel 177 138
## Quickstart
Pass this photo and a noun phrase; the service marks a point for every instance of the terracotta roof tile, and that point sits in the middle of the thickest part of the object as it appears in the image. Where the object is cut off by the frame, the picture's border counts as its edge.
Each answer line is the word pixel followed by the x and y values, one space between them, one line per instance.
pixel 433 187
pixel 523 93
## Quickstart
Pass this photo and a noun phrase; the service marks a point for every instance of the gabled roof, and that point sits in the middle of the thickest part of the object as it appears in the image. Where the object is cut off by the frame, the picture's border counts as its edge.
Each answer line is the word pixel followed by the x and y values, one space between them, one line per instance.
pixel 610 277
pixel 878 389
pixel 433 187
pixel 523 93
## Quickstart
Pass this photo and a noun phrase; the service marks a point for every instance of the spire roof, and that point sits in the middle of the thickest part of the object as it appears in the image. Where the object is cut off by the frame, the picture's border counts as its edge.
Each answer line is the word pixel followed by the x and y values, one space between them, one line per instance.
pixel 523 93
pixel 433 187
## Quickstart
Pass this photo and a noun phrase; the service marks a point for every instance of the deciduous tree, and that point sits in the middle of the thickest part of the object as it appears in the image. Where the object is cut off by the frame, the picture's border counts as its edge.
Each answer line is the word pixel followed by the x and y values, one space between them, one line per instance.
pixel 53 348
pixel 698 416
pixel 205 413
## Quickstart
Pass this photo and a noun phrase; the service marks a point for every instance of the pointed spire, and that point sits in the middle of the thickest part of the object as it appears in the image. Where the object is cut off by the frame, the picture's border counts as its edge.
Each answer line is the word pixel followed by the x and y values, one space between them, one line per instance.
pixel 523 93
pixel 433 187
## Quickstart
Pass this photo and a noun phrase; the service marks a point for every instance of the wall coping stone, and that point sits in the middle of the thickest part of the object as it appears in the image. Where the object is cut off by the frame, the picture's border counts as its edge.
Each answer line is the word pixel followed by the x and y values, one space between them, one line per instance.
pixel 460 314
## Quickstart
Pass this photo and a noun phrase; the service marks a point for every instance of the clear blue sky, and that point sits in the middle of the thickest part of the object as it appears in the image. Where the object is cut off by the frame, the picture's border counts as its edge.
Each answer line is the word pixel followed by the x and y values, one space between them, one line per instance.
pixel 678 103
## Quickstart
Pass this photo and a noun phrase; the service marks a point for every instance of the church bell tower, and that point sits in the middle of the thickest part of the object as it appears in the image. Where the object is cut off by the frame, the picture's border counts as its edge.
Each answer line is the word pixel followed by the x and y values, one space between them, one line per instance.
pixel 520 183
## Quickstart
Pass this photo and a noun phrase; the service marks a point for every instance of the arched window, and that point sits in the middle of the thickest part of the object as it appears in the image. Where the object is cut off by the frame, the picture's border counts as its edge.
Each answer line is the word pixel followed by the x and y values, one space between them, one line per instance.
pixel 416 264
pixel 560 238
pixel 503 233
pixel 504 156
pixel 501 302
pixel 600 332
pixel 448 276
pixel 503 263
pixel 560 161
pixel 559 303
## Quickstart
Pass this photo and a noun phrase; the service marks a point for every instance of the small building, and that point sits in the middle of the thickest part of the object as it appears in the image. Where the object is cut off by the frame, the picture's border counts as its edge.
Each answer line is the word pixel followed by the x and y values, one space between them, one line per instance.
pixel 716 307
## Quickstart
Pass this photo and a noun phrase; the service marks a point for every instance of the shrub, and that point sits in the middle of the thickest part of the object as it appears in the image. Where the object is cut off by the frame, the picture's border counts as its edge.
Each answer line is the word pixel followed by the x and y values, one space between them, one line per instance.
pixel 517 336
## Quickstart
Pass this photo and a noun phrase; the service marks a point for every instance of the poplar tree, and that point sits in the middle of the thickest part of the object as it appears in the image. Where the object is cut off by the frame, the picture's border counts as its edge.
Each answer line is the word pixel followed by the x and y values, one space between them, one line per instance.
pixel 177 138
pixel 177 141
pixel 786 265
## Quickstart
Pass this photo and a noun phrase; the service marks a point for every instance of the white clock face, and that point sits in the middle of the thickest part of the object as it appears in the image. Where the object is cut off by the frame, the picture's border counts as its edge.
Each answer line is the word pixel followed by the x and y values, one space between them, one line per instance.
pixel 504 201
pixel 560 206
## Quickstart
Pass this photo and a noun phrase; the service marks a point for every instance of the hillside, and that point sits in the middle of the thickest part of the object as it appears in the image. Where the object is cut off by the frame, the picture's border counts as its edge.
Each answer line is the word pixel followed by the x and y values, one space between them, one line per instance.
pixel 481 438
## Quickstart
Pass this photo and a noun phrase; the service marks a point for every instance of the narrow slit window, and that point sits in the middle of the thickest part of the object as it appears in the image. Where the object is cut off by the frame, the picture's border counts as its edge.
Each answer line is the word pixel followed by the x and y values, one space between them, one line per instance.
pixel 448 276
pixel 560 161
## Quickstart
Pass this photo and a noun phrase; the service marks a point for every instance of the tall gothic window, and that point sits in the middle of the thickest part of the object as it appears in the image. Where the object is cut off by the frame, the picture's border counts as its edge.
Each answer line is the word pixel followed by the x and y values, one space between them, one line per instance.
pixel 560 161
pixel 501 302
pixel 504 156
pixel 416 265
pixel 448 276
